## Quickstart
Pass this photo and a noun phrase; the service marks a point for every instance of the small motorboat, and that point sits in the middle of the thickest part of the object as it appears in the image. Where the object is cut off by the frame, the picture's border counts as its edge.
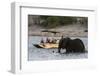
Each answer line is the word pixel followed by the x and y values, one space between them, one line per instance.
pixel 46 45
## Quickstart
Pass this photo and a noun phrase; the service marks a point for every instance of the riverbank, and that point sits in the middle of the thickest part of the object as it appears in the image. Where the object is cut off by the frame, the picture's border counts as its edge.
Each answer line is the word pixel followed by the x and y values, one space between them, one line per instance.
pixel 69 30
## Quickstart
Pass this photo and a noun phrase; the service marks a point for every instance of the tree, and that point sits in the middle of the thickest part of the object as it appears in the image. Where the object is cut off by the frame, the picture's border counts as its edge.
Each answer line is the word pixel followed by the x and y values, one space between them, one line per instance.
pixel 66 20
pixel 52 21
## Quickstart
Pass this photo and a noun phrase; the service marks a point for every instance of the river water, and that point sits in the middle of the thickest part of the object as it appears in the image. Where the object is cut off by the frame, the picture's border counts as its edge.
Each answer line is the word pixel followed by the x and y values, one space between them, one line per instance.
pixel 35 54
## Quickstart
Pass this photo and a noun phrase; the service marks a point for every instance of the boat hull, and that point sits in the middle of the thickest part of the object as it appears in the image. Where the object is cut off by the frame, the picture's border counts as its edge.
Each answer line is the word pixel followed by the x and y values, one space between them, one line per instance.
pixel 46 45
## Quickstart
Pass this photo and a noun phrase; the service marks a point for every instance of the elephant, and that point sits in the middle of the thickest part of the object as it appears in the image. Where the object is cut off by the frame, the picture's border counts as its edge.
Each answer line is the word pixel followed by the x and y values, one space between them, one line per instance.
pixel 71 45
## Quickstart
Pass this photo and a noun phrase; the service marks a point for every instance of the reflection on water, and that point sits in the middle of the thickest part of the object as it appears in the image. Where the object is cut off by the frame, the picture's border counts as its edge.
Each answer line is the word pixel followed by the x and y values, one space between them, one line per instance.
pixel 51 54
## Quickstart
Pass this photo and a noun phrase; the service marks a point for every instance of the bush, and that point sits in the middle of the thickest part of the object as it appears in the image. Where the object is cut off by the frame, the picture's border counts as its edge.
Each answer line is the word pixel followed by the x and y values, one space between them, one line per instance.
pixel 52 21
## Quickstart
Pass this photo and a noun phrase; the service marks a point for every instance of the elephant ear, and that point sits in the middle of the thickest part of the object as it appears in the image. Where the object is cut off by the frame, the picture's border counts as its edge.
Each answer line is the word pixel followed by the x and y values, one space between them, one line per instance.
pixel 67 40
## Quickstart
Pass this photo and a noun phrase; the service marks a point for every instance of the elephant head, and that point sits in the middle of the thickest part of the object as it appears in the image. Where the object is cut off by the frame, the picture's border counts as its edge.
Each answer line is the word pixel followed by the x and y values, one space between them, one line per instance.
pixel 63 43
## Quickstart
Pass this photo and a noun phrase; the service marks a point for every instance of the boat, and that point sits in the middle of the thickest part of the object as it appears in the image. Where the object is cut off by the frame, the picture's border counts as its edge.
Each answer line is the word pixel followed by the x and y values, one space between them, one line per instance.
pixel 46 45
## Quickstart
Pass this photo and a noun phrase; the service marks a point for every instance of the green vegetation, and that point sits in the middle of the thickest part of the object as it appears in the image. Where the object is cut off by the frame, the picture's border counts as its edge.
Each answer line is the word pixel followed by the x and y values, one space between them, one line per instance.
pixel 54 21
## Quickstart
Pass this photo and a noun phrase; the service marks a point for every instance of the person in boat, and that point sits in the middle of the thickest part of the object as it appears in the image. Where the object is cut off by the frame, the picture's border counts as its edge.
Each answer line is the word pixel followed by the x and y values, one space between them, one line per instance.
pixel 47 40
pixel 53 41
pixel 42 41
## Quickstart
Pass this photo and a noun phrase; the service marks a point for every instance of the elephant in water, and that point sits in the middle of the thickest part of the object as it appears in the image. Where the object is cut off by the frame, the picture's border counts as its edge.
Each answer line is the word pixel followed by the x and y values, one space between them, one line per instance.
pixel 71 45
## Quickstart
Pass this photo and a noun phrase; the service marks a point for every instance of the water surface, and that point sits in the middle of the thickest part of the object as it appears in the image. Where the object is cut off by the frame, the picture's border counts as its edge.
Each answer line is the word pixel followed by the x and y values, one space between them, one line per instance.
pixel 35 54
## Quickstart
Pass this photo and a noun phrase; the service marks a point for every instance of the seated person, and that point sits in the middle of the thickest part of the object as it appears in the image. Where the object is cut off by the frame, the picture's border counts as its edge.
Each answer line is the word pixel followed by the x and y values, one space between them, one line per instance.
pixel 53 41
pixel 42 41
pixel 47 40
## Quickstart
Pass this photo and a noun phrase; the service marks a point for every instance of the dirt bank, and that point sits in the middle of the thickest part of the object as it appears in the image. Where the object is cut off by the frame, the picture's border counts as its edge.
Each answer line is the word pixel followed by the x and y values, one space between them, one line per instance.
pixel 69 30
